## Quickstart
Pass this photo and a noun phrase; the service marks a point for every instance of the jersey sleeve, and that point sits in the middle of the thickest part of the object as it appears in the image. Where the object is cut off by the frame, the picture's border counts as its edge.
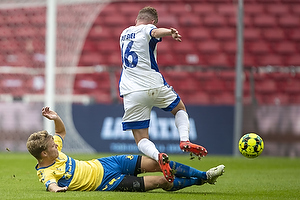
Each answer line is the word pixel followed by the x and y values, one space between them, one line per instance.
pixel 47 177
pixel 48 182
pixel 149 28
pixel 59 141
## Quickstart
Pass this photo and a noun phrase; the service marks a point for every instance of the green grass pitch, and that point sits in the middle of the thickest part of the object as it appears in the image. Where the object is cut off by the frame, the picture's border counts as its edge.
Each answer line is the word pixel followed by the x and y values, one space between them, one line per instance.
pixel 259 178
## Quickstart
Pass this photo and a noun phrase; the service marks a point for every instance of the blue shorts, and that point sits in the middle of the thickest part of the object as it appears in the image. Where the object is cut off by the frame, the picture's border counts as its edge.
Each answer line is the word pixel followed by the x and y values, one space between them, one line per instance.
pixel 115 168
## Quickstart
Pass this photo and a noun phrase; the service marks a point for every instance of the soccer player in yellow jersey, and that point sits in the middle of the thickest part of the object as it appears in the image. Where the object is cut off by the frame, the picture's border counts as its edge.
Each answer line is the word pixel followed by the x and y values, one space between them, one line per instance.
pixel 60 172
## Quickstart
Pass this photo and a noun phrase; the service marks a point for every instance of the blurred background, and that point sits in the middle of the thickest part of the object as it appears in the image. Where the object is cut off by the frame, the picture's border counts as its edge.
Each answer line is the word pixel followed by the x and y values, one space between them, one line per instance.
pixel 202 70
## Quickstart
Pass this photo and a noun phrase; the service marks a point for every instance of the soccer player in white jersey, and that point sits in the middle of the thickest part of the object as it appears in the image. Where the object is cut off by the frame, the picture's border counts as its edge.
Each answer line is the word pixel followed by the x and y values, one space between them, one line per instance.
pixel 60 172
pixel 142 86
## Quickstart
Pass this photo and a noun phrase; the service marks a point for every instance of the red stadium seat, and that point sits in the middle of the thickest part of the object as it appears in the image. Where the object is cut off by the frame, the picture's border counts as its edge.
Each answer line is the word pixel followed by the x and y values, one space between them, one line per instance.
pixel 188 19
pixel 259 76
pixel 266 86
pixel 167 20
pixel 179 8
pixel 253 9
pixel 115 20
pixel 160 7
pixel 197 98
pixel 167 59
pixel 227 9
pixel 269 59
pixel 204 75
pixel 295 9
pixel 183 47
pixel 252 34
pixel 38 18
pixel 9 45
pixel 227 75
pixel 213 86
pixel 92 58
pixel 109 9
pixel 204 9
pixel 294 34
pixel 220 1
pixel 292 86
pixel 100 32
pixel 224 98
pixel 293 60
pixel 164 47
pixel 267 2
pixel 89 46
pixel 278 10
pixel 273 34
pixel 280 76
pixel 214 20
pixel 264 20
pixel 209 46
pixel 187 84
pixel 199 33
pixel 229 47
pixel 249 60
pixel 220 60
pixel 291 1
pixel 295 99
pixel 5 32
pixel 289 21
pixel 285 47
pixel 224 33
pixel 108 46
pixel 18 18
pixel 114 59
pixel 259 47
pixel 130 9
pixel 102 97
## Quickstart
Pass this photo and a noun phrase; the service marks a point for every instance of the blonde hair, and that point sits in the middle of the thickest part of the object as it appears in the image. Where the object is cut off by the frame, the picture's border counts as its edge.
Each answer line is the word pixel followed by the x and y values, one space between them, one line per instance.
pixel 38 142
pixel 148 14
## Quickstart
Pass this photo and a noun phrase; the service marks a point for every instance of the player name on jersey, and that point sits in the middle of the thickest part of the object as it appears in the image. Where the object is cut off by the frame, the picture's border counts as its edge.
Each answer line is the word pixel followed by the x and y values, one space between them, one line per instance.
pixel 128 36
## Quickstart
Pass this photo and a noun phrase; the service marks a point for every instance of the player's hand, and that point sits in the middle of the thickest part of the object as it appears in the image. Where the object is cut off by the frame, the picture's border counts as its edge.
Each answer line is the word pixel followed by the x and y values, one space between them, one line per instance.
pixel 61 189
pixel 55 188
pixel 50 114
pixel 175 34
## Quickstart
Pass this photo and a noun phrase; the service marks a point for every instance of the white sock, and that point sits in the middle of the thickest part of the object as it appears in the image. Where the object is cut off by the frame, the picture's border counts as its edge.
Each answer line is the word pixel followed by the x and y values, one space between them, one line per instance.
pixel 183 124
pixel 148 148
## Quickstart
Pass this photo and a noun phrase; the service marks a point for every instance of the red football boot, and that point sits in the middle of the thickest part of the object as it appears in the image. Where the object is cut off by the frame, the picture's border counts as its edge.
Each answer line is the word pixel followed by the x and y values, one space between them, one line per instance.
pixel 163 161
pixel 196 149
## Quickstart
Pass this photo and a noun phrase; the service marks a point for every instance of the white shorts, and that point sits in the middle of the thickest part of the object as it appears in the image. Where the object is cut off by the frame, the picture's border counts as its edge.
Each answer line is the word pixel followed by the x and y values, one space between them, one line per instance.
pixel 138 105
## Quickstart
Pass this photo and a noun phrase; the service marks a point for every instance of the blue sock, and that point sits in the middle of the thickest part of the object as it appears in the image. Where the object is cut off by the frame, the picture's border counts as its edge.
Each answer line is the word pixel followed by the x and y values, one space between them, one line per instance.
pixel 180 183
pixel 182 170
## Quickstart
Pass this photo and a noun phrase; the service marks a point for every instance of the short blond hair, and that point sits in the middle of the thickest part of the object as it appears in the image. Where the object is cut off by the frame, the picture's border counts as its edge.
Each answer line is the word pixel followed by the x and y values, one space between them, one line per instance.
pixel 38 142
pixel 148 14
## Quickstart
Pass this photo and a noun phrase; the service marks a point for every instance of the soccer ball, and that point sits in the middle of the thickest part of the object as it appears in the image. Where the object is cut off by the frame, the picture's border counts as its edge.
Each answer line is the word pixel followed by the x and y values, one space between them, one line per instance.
pixel 251 145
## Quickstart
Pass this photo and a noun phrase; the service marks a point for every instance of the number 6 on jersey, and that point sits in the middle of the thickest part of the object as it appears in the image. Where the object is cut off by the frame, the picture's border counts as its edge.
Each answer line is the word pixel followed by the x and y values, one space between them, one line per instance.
pixel 129 58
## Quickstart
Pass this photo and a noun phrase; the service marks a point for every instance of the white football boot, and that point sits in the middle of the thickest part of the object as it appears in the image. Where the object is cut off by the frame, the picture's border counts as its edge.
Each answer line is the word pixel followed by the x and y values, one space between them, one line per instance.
pixel 213 173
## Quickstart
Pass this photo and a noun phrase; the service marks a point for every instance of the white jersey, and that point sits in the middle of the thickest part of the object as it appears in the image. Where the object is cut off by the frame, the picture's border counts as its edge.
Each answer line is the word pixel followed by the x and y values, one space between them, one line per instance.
pixel 138 50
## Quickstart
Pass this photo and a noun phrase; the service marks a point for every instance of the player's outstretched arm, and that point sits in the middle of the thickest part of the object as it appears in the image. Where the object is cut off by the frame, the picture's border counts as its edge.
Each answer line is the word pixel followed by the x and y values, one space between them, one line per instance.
pixel 55 188
pixel 162 32
pixel 59 124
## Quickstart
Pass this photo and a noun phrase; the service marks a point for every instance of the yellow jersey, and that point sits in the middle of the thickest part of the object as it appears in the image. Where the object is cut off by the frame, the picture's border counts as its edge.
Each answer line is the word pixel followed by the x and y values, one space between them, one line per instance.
pixel 66 171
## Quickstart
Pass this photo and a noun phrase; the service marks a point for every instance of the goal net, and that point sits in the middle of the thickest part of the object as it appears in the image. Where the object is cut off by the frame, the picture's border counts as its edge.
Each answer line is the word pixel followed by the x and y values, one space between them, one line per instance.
pixel 22 68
